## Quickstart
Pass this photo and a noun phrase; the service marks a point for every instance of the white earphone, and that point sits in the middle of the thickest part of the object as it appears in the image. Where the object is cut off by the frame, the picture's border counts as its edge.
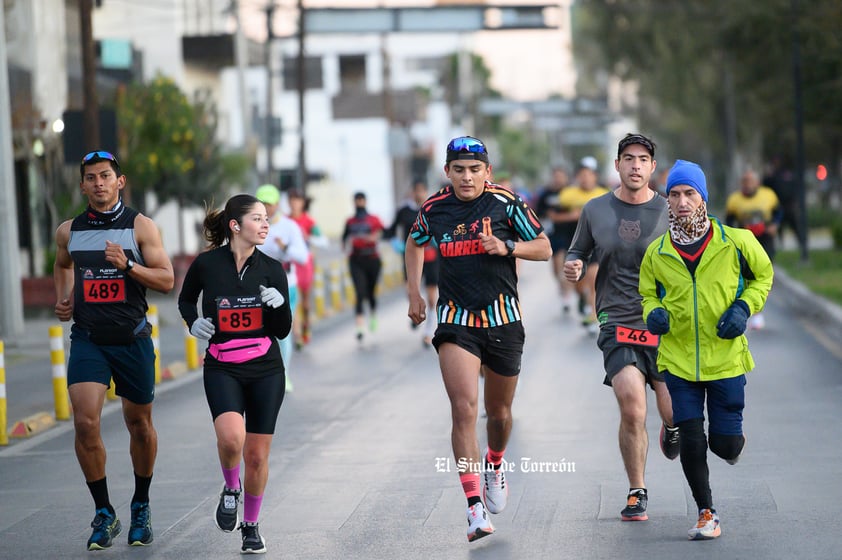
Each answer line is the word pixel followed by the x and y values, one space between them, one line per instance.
pixel 236 228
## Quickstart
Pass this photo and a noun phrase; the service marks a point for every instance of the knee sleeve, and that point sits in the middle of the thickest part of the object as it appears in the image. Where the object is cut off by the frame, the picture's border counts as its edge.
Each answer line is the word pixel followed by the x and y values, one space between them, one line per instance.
pixel 728 447
pixel 694 460
pixel 692 434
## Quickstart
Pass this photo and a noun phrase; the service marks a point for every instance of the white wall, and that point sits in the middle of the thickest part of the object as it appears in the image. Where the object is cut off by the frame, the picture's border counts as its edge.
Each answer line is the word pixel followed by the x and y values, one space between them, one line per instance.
pixel 155 28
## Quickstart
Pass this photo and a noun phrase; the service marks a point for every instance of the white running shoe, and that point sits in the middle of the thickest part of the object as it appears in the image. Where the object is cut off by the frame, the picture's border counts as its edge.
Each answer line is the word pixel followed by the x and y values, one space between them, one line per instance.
pixel 495 491
pixel 706 528
pixel 479 525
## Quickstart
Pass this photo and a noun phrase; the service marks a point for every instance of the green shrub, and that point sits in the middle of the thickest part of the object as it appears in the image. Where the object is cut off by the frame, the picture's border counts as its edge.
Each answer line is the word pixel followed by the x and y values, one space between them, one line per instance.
pixel 836 234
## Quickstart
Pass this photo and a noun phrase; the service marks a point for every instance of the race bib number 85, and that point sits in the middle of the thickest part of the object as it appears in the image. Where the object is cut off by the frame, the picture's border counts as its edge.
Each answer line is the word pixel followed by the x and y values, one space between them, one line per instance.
pixel 239 314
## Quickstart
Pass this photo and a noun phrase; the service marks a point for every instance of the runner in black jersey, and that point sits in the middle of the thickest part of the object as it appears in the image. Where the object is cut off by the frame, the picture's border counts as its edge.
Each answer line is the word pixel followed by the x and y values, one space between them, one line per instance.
pixel 245 309
pixel 106 258
pixel 480 228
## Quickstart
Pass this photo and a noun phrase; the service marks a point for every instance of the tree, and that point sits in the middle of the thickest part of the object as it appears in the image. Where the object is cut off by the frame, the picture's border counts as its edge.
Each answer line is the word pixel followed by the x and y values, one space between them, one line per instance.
pixel 169 145
pixel 715 78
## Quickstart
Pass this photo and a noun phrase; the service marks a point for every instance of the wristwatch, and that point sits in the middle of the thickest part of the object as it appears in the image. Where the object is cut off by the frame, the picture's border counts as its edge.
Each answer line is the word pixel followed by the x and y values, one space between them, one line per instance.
pixel 510 247
pixel 129 265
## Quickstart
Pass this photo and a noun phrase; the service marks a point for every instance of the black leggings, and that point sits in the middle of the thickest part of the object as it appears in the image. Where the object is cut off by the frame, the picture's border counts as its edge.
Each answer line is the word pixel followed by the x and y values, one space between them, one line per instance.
pixel 365 271
pixel 694 460
pixel 259 398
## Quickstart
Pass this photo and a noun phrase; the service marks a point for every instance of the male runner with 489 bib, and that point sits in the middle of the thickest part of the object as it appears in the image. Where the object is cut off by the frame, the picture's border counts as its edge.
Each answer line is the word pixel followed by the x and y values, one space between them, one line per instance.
pixel 106 258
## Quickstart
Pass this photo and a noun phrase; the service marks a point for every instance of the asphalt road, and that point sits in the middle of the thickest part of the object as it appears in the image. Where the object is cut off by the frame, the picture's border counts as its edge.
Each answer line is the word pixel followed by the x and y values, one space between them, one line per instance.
pixel 354 461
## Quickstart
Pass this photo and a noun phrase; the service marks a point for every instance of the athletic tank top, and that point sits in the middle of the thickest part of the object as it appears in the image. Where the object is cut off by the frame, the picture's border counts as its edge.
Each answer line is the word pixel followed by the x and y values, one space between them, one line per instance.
pixel 104 295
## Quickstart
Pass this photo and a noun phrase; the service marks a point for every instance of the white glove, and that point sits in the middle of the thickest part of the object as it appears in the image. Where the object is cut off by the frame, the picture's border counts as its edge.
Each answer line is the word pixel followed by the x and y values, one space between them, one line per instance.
pixel 271 297
pixel 202 328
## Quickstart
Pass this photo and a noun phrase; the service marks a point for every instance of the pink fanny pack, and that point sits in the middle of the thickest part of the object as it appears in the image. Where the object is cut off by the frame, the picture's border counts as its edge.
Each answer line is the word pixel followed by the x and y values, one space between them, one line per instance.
pixel 240 350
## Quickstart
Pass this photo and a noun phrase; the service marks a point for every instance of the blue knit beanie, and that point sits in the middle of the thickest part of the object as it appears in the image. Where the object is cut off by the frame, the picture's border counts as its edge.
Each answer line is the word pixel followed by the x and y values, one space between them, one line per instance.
pixel 688 173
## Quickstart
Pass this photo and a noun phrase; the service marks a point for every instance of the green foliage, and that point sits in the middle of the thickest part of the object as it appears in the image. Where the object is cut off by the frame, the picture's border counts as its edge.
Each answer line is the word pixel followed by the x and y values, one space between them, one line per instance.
pixel 169 144
pixel 698 61
pixel 836 234
pixel 820 274
pixel 522 153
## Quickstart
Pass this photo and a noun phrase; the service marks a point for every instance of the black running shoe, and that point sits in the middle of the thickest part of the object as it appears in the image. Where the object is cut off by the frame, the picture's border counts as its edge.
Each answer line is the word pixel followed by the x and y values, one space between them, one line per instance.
pixel 253 543
pixel 106 527
pixel 635 509
pixel 670 442
pixel 140 533
pixel 226 510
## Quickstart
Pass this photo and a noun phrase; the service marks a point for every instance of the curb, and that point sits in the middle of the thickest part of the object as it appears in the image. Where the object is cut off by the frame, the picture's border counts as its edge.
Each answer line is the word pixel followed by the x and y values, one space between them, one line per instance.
pixel 32 425
pixel 822 317
pixel 173 371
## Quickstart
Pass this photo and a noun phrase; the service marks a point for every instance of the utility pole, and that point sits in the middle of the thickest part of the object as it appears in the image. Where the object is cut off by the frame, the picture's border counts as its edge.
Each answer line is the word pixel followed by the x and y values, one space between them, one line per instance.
pixel 90 113
pixel 799 134
pixel 11 299
pixel 301 75
pixel 270 128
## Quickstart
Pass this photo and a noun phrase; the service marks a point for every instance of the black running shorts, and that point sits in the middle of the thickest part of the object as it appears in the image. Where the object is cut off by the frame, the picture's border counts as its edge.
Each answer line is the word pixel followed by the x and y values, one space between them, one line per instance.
pixel 616 356
pixel 259 398
pixel 498 348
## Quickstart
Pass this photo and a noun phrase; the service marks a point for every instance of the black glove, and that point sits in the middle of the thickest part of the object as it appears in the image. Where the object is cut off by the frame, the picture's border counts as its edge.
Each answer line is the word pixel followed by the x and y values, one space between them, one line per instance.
pixel 658 321
pixel 733 322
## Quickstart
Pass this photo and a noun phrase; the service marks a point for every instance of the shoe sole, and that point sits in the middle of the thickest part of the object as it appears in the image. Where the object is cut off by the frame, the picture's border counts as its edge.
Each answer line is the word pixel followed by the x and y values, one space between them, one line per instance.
pixel 701 537
pixel 141 543
pixel 255 551
pixel 224 530
pixel 95 546
pixel 478 534
pixel 642 517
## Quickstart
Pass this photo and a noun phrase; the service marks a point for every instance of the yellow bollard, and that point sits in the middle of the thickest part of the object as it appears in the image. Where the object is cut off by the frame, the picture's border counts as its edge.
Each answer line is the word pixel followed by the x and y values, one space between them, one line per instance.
pixel 191 350
pixel 319 292
pixel 62 401
pixel 350 296
pixel 156 340
pixel 4 435
pixel 111 393
pixel 335 286
pixel 385 273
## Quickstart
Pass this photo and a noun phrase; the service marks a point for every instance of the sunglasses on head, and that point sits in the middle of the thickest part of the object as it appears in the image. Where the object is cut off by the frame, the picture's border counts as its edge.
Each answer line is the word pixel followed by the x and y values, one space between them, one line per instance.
pixel 466 144
pixel 100 155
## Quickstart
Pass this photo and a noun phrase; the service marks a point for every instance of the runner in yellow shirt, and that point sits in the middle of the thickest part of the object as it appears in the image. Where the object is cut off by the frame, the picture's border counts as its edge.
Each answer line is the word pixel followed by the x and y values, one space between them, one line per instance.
pixel 572 199
pixel 756 208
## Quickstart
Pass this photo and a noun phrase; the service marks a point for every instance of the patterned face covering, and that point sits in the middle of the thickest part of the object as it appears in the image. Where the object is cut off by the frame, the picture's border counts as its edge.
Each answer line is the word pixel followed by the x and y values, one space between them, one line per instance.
pixel 685 230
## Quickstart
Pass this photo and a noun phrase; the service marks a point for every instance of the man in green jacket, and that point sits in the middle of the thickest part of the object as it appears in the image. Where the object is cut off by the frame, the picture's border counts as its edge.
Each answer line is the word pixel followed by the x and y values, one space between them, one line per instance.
pixel 700 282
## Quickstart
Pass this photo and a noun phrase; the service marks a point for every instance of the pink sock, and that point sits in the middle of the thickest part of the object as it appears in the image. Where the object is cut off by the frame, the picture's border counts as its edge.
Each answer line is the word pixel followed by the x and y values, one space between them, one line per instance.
pixel 494 457
pixel 470 484
pixel 251 508
pixel 232 477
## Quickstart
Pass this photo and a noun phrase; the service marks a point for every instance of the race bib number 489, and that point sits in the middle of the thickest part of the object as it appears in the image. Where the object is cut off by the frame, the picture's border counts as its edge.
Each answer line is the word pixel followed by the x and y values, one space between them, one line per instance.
pixel 239 313
pixel 626 335
pixel 103 286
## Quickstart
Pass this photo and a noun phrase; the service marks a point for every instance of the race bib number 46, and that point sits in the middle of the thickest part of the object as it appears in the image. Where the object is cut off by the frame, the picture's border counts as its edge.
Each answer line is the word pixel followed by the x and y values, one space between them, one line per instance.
pixel 239 314
pixel 626 335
